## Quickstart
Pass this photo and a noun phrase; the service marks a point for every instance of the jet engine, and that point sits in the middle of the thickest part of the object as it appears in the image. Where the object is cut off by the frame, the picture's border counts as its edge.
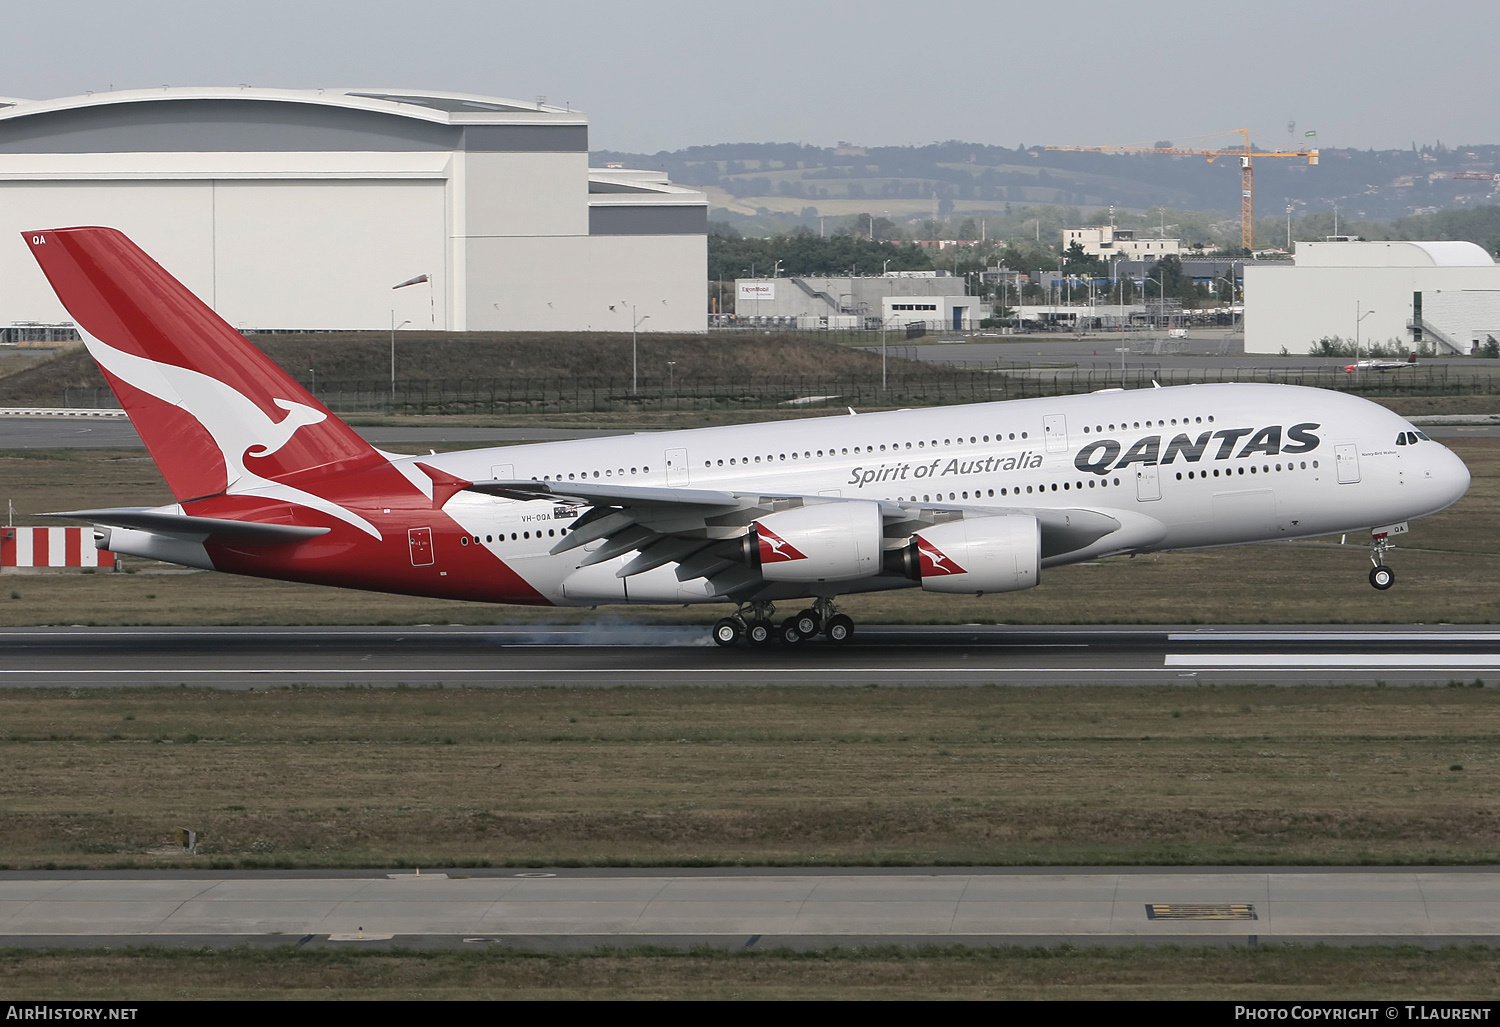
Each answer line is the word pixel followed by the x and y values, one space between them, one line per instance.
pixel 974 556
pixel 820 542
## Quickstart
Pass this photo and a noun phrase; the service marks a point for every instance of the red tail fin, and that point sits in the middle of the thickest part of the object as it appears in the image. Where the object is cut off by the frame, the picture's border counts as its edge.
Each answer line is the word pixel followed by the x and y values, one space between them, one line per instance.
pixel 213 410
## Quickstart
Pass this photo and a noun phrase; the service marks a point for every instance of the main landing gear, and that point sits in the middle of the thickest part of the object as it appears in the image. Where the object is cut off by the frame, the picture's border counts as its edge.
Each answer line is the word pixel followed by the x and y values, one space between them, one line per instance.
pixel 752 622
pixel 1381 576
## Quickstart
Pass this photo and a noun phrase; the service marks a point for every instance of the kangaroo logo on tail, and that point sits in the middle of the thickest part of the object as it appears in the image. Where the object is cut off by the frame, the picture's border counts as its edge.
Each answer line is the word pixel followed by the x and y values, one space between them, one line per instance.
pixel 299 415
pixel 239 428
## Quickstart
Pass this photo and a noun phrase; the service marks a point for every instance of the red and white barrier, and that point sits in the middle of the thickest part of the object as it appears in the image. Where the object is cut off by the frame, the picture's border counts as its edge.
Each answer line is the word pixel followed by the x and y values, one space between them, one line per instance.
pixel 51 547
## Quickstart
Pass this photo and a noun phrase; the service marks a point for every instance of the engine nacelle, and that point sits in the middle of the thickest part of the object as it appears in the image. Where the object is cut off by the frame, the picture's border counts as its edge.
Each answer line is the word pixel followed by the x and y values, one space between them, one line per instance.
pixel 819 542
pixel 978 555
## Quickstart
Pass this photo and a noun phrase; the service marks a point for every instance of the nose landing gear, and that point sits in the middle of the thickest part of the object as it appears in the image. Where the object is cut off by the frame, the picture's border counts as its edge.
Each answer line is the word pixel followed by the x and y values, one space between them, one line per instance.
pixel 1381 576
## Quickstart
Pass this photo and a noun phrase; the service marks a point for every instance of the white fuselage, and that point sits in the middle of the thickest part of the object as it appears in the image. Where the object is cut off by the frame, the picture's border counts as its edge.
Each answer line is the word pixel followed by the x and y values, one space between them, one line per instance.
pixel 1182 467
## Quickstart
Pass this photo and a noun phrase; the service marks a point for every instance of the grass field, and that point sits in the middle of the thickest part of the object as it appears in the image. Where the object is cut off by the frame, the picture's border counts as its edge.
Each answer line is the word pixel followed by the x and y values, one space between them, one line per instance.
pixel 995 775
pixel 1206 974
pixel 431 356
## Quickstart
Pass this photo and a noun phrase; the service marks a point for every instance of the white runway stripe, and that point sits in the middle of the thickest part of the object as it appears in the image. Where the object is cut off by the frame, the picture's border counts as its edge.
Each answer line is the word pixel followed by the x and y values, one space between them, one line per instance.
pixel 1351 637
pixel 1304 660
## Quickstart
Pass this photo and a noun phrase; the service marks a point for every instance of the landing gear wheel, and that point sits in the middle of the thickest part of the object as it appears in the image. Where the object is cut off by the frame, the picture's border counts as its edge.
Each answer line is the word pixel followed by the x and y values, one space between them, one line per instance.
pixel 727 631
pixel 808 623
pixel 840 629
pixel 789 632
pixel 1382 577
pixel 760 632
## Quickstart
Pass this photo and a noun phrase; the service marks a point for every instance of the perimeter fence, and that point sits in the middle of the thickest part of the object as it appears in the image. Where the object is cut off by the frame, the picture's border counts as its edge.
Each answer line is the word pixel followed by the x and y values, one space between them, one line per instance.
pixel 971 384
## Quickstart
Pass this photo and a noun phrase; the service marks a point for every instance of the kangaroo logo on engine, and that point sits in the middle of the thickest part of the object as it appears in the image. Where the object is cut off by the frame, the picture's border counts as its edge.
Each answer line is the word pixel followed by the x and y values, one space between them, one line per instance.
pixel 774 548
pixel 1100 456
pixel 934 561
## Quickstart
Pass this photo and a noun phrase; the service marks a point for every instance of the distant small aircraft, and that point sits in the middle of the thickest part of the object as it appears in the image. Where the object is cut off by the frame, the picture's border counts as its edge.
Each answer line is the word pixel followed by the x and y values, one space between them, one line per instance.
pixel 1382 365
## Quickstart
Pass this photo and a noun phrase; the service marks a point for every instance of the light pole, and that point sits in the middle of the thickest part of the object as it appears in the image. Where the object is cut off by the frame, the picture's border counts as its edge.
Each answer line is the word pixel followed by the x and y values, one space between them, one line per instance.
pixel 635 324
pixel 432 306
pixel 1358 317
pixel 1161 297
pixel 1119 286
pixel 884 316
pixel 672 377
pixel 394 326
pixel 1231 300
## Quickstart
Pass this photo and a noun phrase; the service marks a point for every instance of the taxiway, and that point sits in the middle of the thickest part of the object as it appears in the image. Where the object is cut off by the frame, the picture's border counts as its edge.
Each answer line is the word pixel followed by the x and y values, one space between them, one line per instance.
pixel 765 908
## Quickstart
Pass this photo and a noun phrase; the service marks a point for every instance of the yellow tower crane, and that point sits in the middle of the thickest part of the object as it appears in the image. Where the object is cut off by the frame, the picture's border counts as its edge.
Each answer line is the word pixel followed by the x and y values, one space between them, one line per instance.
pixel 1245 152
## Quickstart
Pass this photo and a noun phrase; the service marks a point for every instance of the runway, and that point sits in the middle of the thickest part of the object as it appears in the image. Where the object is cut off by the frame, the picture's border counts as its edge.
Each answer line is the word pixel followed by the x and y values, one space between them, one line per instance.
pixel 617 652
pixel 756 908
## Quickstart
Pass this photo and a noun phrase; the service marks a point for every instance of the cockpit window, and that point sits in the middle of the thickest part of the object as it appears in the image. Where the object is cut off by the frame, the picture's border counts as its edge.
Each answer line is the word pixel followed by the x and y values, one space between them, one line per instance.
pixel 1401 438
pixel 1423 436
pixel 1409 438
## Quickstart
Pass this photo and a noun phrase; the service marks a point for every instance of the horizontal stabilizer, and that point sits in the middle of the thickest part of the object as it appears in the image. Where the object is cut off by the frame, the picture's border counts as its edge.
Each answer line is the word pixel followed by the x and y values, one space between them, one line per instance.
pixel 195 529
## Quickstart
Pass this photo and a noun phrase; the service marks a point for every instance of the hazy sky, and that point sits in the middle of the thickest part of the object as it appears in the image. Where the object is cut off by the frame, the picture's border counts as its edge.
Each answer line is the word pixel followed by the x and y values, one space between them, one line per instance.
pixel 669 74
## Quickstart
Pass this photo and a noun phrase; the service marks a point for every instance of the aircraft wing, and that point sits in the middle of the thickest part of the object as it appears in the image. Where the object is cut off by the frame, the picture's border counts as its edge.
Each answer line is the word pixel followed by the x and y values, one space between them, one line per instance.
pixel 700 530
pixel 194 529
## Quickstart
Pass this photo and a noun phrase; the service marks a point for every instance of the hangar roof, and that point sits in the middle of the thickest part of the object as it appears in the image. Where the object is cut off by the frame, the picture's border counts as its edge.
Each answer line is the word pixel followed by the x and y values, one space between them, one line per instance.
pixel 1392 254
pixel 245 118
pixel 427 105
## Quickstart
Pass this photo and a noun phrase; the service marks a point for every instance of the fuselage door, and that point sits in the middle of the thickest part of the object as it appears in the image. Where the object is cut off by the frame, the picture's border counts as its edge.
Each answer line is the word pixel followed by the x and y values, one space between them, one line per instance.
pixel 677 467
pixel 419 540
pixel 1347 458
pixel 1055 429
pixel 1147 484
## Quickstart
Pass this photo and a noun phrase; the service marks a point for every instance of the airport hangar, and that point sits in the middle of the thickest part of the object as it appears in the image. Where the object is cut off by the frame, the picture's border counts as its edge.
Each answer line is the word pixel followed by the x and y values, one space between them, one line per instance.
pixel 290 210
pixel 1444 294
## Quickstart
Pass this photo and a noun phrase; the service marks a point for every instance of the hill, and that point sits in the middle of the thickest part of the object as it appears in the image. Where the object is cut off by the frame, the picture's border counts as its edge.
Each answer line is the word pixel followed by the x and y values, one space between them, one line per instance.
pixel 778 186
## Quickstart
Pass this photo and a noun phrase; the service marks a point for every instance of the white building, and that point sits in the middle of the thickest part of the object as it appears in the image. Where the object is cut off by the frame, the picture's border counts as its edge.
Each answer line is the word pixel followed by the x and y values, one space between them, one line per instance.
pixel 1110 243
pixel 300 209
pixel 897 297
pixel 1444 293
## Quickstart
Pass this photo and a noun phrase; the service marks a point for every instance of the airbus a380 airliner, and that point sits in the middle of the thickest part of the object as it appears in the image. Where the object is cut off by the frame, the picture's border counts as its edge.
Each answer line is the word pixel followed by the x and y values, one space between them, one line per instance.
pixel 969 499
